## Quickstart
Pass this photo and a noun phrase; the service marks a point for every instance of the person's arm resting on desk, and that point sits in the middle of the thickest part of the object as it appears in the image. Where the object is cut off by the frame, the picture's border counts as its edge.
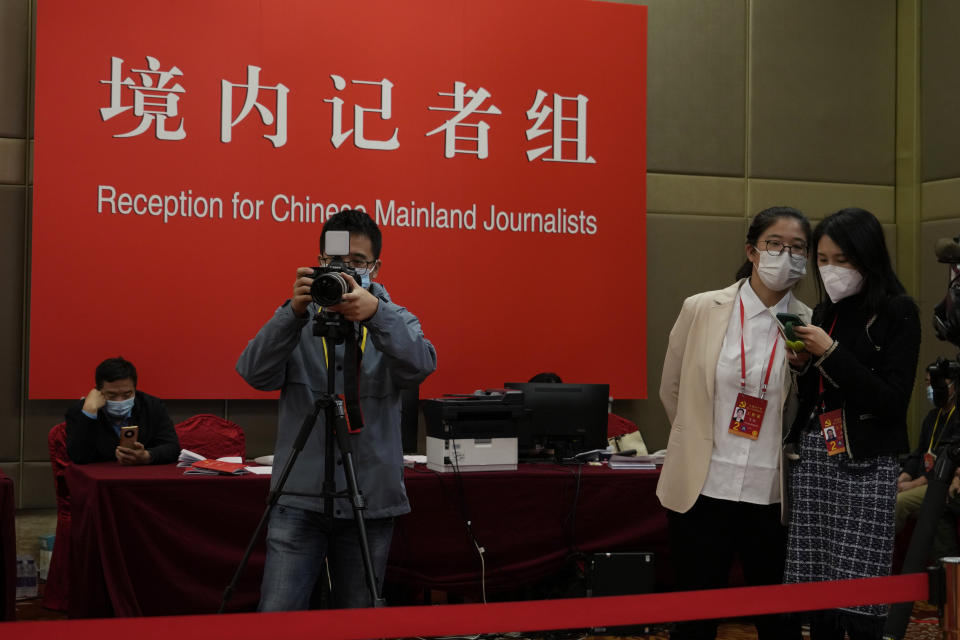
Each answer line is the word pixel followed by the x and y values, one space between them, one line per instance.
pixel 82 425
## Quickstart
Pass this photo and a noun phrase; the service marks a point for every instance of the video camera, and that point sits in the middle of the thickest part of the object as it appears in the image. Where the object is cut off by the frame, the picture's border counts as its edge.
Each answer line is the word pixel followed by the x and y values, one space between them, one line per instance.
pixel 329 285
pixel 946 315
pixel 941 372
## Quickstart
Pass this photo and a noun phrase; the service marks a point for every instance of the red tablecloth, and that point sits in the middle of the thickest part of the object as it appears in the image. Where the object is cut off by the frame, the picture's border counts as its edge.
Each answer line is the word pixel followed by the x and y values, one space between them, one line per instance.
pixel 525 521
pixel 8 550
pixel 151 541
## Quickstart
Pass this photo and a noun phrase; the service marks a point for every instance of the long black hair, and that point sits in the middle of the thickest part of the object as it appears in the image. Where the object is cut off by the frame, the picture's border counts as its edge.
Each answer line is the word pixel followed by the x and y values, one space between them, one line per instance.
pixel 859 235
pixel 761 222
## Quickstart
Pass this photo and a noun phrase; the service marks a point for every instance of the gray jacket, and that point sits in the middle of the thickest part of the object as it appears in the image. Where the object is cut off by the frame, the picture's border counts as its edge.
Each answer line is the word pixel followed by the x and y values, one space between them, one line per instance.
pixel 286 355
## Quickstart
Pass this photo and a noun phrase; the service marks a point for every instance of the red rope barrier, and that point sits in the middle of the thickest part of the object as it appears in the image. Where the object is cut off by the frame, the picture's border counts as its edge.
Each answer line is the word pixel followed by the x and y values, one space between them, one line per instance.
pixel 469 619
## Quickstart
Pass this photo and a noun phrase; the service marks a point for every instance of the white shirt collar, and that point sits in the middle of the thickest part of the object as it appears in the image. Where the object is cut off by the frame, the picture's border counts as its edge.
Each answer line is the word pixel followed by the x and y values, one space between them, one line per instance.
pixel 753 306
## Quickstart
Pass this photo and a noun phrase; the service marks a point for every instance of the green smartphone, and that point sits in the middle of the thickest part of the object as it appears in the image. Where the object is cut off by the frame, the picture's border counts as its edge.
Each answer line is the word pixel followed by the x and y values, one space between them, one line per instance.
pixel 788 321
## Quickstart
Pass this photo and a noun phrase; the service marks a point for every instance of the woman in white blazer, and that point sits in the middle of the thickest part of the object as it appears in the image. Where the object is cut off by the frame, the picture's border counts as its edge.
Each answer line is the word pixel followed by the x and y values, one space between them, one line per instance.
pixel 728 391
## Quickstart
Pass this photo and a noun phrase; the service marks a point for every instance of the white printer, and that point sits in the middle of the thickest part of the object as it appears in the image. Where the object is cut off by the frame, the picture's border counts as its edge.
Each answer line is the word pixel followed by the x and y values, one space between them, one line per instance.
pixel 473 432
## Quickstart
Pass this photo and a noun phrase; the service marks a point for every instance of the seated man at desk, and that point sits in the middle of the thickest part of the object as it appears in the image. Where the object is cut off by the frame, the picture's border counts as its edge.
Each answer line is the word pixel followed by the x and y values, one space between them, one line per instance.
pixel 94 423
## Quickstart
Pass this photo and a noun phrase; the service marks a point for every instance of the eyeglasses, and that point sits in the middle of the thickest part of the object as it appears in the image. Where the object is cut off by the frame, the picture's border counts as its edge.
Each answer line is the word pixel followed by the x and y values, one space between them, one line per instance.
pixel 353 263
pixel 776 247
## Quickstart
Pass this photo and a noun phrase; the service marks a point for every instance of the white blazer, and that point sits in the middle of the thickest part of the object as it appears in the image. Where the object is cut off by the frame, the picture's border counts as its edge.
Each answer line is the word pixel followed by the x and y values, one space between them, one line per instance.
pixel 686 391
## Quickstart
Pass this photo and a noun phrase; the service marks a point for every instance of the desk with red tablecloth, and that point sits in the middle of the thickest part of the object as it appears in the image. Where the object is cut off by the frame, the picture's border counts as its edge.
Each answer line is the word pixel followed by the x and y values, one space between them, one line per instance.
pixel 152 541
pixel 8 550
pixel 525 521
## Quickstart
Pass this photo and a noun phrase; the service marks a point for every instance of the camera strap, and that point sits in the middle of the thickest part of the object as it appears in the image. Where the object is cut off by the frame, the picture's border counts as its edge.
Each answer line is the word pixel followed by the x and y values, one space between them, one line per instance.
pixel 363 344
pixel 352 354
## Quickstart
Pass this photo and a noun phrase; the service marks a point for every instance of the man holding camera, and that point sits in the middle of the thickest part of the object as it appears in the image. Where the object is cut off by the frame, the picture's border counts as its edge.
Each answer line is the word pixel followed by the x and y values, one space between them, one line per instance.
pixel 94 424
pixel 285 354
pixel 940 428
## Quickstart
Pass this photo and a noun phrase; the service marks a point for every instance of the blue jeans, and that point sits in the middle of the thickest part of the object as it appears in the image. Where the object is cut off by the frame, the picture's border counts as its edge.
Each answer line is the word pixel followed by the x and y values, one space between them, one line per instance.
pixel 297 543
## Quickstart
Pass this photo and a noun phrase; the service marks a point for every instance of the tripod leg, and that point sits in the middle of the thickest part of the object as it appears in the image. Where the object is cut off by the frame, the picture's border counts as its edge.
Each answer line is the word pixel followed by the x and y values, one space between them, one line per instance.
pixel 930 512
pixel 357 502
pixel 272 499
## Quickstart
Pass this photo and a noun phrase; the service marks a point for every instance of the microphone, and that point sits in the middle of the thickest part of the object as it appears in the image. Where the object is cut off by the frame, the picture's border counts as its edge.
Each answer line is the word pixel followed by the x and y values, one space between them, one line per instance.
pixel 948 250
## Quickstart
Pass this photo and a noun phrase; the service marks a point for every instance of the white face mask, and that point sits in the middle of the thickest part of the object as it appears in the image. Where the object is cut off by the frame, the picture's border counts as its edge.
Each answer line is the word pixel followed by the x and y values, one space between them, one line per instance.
pixel 840 282
pixel 782 271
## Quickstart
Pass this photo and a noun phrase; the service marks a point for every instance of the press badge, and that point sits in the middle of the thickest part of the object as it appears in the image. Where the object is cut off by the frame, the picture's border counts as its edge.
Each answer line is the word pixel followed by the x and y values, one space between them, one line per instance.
pixel 928 461
pixel 747 416
pixel 831 425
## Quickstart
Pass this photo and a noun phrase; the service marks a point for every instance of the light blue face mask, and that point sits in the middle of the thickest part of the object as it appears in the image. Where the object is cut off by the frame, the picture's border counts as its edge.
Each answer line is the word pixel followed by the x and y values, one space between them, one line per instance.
pixel 930 395
pixel 364 275
pixel 120 408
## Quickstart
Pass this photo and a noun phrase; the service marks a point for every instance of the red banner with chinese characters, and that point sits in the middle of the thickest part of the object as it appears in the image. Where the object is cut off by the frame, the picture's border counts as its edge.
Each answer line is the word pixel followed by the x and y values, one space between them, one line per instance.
pixel 187 154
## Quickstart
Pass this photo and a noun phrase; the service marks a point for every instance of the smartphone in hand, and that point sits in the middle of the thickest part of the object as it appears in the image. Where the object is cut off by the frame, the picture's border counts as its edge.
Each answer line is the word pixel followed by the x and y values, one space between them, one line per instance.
pixel 128 436
pixel 787 322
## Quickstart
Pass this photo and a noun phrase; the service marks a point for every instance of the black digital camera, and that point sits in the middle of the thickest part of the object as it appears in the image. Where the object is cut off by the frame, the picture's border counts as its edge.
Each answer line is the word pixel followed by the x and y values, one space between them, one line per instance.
pixel 941 373
pixel 329 285
pixel 946 315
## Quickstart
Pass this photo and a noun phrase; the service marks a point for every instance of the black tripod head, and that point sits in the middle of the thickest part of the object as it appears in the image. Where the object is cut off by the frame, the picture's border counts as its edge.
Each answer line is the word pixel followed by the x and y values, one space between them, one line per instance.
pixel 334 329
pixel 332 326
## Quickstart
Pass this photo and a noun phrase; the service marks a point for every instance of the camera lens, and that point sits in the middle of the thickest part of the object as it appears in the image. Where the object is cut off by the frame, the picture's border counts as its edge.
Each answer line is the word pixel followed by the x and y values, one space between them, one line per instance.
pixel 328 289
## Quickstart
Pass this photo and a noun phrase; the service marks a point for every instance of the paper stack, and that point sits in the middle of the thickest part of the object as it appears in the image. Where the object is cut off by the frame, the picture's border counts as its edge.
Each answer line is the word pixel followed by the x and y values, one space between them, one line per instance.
pixel 635 462
pixel 196 464
pixel 187 458
pixel 411 461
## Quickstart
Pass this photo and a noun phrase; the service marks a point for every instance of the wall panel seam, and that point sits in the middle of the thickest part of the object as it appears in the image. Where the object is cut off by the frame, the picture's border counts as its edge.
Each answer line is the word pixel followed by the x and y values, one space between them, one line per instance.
pixel 27 225
pixel 748 92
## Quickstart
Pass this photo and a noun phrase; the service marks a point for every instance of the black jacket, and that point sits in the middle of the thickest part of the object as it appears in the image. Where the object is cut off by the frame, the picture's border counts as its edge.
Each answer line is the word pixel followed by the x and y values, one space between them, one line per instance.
pixel 947 433
pixel 94 440
pixel 869 375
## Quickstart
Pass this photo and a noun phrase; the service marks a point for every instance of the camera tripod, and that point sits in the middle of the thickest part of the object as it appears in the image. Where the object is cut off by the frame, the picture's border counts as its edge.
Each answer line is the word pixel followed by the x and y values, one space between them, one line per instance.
pixel 339 423
pixel 934 502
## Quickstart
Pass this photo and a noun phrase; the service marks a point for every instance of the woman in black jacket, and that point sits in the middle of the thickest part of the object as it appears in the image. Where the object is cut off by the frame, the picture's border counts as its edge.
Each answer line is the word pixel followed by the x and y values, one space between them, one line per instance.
pixel 857 375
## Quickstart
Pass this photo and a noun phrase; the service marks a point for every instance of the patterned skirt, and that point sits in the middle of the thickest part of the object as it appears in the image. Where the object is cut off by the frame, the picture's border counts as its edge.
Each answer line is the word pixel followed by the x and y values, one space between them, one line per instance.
pixel 842 517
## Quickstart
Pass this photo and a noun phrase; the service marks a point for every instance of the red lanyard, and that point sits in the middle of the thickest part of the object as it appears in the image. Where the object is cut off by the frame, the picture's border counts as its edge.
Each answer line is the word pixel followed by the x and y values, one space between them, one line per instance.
pixel 823 405
pixel 743 359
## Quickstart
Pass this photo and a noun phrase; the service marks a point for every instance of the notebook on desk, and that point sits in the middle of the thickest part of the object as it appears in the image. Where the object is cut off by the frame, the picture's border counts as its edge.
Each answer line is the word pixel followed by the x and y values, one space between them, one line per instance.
pixel 214 467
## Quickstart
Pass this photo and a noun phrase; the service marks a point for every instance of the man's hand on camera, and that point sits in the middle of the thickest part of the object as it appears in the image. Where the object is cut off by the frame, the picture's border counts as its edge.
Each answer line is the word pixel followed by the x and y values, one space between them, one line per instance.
pixel 94 401
pixel 358 305
pixel 301 291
